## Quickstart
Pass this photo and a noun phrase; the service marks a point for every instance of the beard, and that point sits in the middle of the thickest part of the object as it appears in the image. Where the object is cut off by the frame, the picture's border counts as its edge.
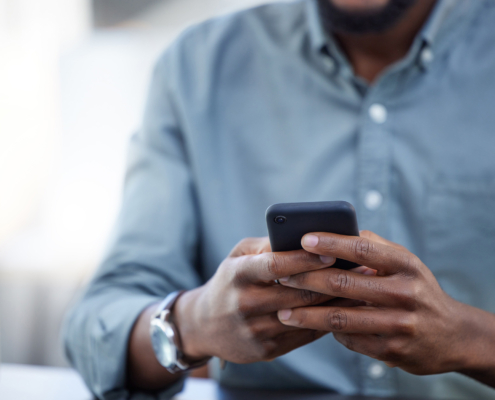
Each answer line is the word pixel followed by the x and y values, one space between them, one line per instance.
pixel 336 19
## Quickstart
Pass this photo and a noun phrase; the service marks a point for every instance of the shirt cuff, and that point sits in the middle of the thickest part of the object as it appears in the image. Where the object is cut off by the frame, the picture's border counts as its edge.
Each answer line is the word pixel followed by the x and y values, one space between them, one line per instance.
pixel 97 336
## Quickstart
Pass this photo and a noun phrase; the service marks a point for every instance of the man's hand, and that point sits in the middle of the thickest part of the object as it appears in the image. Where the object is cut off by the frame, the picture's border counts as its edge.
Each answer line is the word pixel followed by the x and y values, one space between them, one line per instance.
pixel 407 321
pixel 234 315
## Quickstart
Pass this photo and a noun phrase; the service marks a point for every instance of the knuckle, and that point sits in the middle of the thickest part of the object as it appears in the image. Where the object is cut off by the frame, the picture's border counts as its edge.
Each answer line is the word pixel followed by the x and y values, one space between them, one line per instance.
pixel 328 245
pixel 410 263
pixel 235 269
pixel 366 233
pixel 238 275
pixel 256 332
pixel 414 260
pixel 247 334
pixel 336 320
pixel 340 281
pixel 266 349
pixel 242 247
pixel 244 307
pixel 309 297
pixel 414 291
pixel 246 242
pixel 393 351
pixel 406 325
pixel 299 280
pixel 274 265
pixel 363 249
pixel 408 296
pixel 249 245
pixel 376 286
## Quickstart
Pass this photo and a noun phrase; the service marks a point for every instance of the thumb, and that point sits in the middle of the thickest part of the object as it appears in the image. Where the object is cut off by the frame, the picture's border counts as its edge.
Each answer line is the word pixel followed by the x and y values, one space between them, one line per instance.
pixel 251 246
pixel 377 238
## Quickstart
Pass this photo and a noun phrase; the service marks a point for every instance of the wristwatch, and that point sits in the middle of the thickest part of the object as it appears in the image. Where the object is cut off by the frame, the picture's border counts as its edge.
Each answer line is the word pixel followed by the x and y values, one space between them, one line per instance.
pixel 166 340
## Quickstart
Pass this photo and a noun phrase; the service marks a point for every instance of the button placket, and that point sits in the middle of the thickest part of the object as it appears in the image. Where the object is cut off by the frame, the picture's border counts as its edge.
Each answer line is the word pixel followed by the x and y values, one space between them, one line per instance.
pixel 374 157
pixel 374 165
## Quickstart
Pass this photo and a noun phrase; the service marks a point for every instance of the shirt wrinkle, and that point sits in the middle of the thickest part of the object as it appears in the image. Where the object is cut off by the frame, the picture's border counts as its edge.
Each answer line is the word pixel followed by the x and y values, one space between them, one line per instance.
pixel 413 153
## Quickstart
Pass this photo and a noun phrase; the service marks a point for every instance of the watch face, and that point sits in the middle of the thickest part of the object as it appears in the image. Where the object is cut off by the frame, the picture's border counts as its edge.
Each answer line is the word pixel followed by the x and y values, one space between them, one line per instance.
pixel 161 338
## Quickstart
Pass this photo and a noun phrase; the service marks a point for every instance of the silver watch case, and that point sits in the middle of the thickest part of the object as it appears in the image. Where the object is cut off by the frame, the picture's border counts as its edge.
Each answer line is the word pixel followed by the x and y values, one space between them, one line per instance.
pixel 164 341
pixel 165 338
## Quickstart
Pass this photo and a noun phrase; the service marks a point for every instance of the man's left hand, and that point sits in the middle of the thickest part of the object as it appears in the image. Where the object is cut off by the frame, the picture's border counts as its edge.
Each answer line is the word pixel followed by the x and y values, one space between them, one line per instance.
pixel 405 320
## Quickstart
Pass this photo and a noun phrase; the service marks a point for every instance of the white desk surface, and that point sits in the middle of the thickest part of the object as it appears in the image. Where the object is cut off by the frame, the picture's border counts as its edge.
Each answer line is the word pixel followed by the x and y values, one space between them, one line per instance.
pixel 23 382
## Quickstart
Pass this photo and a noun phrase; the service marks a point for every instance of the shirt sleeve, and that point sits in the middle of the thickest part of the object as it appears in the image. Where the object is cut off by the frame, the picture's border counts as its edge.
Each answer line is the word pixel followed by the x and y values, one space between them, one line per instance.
pixel 152 252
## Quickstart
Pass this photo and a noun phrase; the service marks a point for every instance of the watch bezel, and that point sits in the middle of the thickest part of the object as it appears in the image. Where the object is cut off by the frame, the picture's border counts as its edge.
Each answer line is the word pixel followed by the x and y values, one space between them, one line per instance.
pixel 162 320
pixel 170 334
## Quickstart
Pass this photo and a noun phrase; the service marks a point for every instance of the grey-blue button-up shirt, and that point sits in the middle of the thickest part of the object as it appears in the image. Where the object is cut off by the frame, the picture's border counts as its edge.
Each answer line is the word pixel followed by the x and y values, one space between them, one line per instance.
pixel 261 107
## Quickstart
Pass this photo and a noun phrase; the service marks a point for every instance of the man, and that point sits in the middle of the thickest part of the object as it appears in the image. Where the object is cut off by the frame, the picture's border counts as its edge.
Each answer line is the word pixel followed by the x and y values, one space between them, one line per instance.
pixel 387 104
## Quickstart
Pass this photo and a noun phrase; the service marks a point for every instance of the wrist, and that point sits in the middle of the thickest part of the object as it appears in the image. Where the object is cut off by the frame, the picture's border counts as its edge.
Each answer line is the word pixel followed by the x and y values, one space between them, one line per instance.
pixel 187 323
pixel 476 347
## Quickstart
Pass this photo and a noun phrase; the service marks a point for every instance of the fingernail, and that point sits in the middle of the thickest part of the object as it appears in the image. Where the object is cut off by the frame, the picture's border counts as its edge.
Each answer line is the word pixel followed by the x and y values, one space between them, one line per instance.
pixel 327 259
pixel 370 272
pixel 285 279
pixel 284 315
pixel 310 240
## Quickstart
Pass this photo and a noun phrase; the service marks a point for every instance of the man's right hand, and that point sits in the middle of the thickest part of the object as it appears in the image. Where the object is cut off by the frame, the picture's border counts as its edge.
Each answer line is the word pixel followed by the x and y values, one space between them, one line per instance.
pixel 234 315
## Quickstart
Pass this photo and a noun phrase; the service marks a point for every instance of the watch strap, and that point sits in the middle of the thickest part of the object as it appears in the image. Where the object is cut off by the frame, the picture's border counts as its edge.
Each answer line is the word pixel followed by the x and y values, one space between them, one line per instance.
pixel 167 304
pixel 164 312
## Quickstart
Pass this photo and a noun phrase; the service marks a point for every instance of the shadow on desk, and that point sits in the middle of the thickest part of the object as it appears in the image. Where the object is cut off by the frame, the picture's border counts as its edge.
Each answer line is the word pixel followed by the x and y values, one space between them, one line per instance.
pixel 207 389
pixel 19 382
pixel 244 394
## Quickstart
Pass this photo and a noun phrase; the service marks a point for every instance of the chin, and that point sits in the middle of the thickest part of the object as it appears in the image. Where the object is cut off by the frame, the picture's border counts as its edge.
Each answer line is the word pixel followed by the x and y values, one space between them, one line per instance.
pixel 359 5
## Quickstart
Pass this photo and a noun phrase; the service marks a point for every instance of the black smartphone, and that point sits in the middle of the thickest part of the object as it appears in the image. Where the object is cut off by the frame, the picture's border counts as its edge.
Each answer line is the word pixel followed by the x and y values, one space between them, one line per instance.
pixel 288 222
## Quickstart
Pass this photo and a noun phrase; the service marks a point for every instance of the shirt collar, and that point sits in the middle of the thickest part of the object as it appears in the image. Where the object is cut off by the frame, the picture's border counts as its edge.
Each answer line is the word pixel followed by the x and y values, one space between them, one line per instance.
pixel 439 15
pixel 317 34
pixel 320 40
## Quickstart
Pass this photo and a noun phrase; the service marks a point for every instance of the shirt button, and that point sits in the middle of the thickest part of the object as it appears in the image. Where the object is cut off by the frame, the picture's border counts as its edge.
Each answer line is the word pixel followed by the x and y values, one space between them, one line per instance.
pixel 376 371
pixel 426 56
pixel 373 200
pixel 329 64
pixel 378 113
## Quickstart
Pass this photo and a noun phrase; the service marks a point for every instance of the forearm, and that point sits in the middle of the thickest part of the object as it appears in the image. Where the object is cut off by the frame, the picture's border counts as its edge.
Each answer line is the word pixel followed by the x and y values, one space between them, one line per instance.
pixel 231 316
pixel 143 369
pixel 479 362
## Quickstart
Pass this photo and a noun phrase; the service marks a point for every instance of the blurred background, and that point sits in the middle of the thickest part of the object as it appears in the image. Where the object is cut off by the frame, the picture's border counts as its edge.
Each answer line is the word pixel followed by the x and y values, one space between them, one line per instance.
pixel 73 80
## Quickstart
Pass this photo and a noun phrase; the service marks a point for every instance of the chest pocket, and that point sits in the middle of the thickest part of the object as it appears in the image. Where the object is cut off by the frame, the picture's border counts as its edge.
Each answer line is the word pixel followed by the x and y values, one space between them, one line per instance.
pixel 460 239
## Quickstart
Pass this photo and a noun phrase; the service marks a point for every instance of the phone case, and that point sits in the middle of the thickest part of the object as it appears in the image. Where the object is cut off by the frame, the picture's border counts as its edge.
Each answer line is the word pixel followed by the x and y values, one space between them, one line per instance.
pixel 288 222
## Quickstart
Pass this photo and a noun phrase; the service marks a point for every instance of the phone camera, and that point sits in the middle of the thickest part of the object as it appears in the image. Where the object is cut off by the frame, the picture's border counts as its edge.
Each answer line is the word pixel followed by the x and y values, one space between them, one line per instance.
pixel 280 219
